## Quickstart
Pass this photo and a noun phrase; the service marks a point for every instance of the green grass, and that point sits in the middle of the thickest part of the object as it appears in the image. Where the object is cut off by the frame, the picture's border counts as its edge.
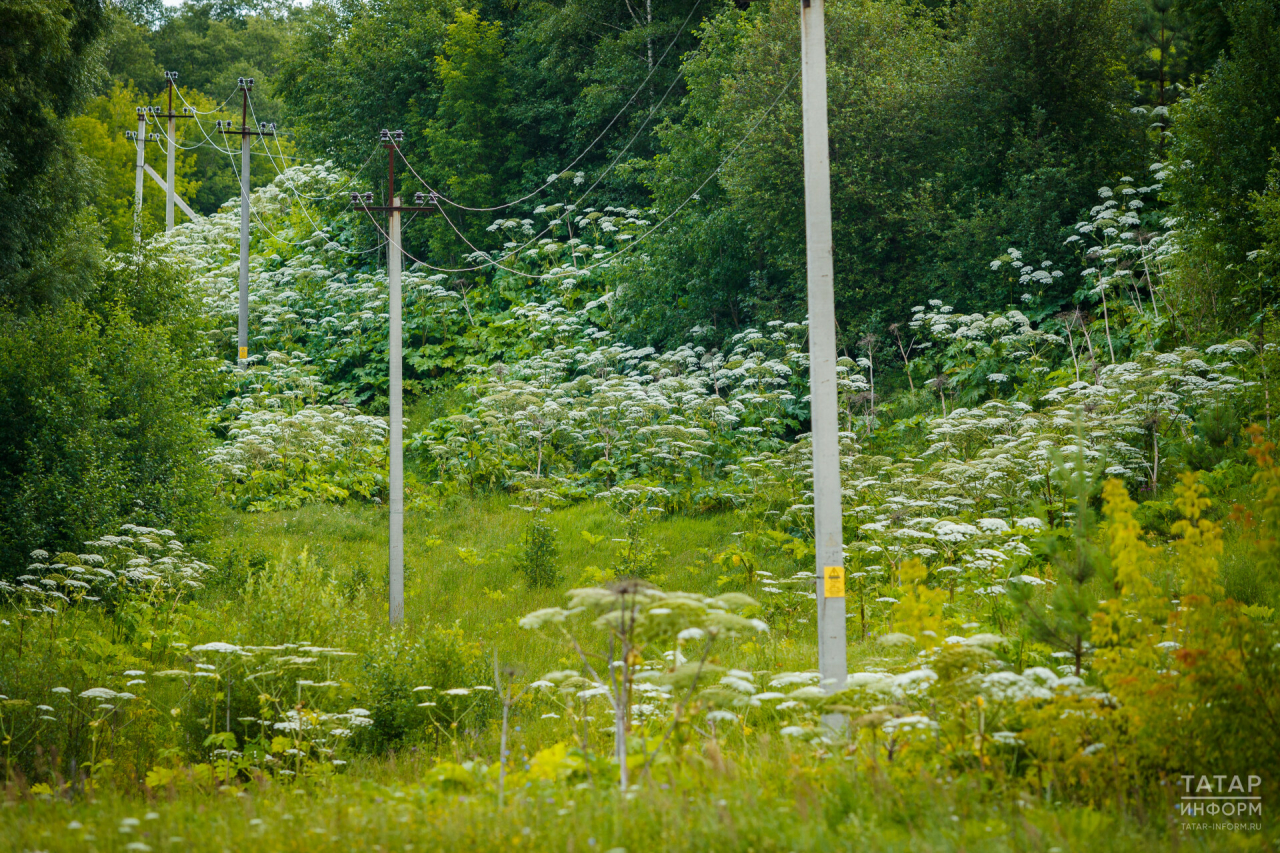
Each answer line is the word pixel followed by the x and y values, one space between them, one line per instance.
pixel 771 800
pixel 486 598
pixel 707 794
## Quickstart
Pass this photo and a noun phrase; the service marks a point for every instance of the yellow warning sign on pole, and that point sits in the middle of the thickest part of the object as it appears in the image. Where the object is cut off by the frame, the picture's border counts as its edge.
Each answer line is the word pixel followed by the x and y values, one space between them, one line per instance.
pixel 833 582
pixel 244 353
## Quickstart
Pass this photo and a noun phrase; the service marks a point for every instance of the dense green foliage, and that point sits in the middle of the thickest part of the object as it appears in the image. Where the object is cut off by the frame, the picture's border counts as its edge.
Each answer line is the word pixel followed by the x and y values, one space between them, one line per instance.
pixel 48 63
pixel 491 100
pixel 100 417
pixel 1226 138
pixel 950 139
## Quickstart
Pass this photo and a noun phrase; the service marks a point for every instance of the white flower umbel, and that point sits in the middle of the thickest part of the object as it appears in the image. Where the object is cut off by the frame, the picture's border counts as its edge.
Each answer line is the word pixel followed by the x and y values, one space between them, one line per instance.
pixel 635 615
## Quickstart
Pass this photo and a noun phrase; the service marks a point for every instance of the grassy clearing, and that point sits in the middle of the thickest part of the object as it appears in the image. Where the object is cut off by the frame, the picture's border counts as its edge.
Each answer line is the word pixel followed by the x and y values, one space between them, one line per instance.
pixel 459 570
pixel 775 800
pixel 459 567
pixel 736 789
pixel 459 561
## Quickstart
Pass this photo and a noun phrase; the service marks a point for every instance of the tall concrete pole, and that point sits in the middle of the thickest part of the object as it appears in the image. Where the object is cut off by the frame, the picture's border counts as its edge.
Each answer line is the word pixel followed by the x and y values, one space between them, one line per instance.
pixel 245 138
pixel 396 484
pixel 137 180
pixel 828 533
pixel 395 363
pixel 169 160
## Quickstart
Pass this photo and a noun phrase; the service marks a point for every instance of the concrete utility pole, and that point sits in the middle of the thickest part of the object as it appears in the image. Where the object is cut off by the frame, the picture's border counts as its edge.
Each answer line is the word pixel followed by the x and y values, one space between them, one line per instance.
pixel 246 135
pixel 395 392
pixel 140 164
pixel 141 136
pixel 171 78
pixel 827 518
pixel 177 199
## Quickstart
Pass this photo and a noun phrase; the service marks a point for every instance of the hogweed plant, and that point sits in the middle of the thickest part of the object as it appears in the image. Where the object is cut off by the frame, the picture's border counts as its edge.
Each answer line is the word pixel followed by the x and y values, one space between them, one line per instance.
pixel 212 695
pixel 638 619
pixel 284 448
pixel 140 575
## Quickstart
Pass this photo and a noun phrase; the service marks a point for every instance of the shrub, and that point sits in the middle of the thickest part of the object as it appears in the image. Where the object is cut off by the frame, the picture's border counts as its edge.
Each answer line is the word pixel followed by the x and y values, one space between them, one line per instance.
pixel 419 689
pixel 99 425
pixel 295 600
pixel 638 557
pixel 1217 438
pixel 537 557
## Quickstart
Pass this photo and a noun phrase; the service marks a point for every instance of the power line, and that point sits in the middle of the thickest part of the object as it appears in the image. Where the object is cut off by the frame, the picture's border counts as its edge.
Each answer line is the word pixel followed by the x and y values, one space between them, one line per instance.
pixel 174 141
pixel 629 246
pixel 593 142
pixel 280 172
pixel 216 109
pixel 314 224
pixel 275 236
pixel 216 147
pixel 578 203
pixel 301 205
pixel 210 141
pixel 258 218
pixel 587 192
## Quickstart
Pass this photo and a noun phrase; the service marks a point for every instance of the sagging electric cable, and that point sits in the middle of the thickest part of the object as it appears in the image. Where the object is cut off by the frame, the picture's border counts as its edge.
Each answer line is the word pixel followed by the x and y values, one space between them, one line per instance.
pixel 579 271
pixel 319 231
pixel 593 142
pixel 581 198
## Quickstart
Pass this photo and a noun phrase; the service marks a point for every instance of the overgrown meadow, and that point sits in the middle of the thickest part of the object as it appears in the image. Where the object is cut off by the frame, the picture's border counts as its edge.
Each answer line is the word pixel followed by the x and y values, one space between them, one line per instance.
pixel 1062 556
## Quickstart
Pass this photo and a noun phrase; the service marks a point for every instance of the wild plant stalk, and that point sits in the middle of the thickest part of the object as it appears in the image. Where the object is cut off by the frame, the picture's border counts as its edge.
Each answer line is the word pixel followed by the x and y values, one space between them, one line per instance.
pixel 1146 268
pixel 508 699
pixel 906 362
pixel 1262 361
pixel 940 383
pixel 1131 286
pixel 618 686
pixel 618 720
pixel 1155 453
pixel 1071 341
pixel 451 733
pixel 869 341
pixel 680 706
pixel 1093 358
pixel 1106 321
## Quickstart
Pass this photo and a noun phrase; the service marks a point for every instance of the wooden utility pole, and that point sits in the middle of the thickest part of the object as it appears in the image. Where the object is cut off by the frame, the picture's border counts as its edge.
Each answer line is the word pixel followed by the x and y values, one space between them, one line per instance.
pixel 827 519
pixel 395 390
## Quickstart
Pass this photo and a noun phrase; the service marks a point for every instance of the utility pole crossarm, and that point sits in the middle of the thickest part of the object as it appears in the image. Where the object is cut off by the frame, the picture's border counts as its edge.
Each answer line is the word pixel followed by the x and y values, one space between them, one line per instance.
pixel 155 176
